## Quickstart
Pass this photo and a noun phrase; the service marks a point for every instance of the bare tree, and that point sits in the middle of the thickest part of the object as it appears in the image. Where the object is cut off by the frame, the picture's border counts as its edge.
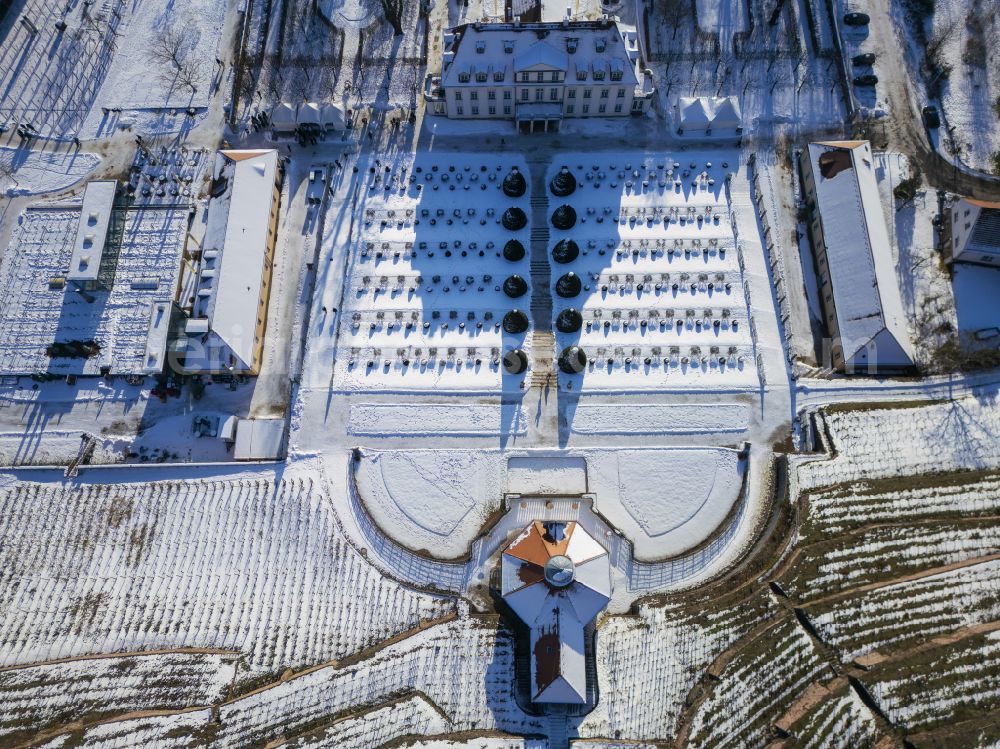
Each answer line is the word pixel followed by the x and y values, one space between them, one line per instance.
pixel 169 48
pixel 393 10
pixel 936 42
pixel 675 13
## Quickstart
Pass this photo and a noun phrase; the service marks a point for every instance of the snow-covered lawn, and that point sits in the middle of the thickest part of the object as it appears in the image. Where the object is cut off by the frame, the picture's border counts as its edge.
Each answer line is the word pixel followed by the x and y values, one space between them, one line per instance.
pixel 36 172
pixel 663 301
pixel 34 315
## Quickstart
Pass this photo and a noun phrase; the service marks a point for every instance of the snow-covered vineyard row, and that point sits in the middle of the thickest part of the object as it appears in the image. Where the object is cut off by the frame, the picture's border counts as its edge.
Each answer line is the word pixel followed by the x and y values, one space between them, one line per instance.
pixel 35 697
pixel 884 553
pixel 834 510
pixel 464 667
pixel 254 565
pixel 838 722
pixel 877 443
pixel 756 688
pixel 892 617
pixel 648 664
pixel 954 683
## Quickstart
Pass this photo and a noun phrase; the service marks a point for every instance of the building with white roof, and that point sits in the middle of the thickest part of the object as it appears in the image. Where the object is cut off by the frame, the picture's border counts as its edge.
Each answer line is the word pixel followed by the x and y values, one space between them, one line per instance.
pixel 857 275
pixel 975 232
pixel 538 73
pixel 224 332
pixel 88 268
pixel 556 578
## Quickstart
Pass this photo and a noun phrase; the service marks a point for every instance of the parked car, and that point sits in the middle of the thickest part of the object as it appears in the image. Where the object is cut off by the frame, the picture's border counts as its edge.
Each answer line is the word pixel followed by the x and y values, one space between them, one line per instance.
pixel 868 58
pixel 931 117
pixel 865 80
pixel 857 19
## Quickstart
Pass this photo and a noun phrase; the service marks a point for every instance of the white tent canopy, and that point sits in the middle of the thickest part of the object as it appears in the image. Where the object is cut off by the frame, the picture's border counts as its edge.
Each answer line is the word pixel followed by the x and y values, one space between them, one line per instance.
pixel 283 117
pixel 708 115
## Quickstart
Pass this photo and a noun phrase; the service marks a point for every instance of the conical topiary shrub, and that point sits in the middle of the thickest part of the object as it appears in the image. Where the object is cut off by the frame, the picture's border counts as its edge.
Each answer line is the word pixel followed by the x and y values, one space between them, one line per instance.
pixel 565 251
pixel 513 251
pixel 563 184
pixel 572 360
pixel 564 217
pixel 513 219
pixel 515 322
pixel 515 286
pixel 568 285
pixel 514 184
pixel 569 321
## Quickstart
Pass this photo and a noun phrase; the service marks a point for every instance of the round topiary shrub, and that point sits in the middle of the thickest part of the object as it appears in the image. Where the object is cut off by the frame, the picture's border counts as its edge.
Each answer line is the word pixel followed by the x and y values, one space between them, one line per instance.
pixel 563 184
pixel 565 251
pixel 515 322
pixel 514 184
pixel 515 286
pixel 513 219
pixel 513 250
pixel 515 361
pixel 564 217
pixel 569 285
pixel 572 360
pixel 569 321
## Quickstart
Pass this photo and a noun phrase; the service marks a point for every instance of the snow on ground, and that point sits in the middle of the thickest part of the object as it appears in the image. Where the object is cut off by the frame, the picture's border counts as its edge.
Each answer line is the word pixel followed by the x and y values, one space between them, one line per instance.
pixel 463 666
pixel 440 420
pixel 655 418
pixel 741 710
pixel 35 696
pixel 877 443
pixel 431 499
pixel 952 683
pixel 34 315
pixel 909 612
pixel 840 722
pixel 24 172
pixel 248 561
pixel 971 29
pixel 60 80
pixel 423 304
pixel 666 501
pixel 677 497
pixel 924 285
pixel 663 301
pixel 146 86
pixel 976 289
pixel 648 663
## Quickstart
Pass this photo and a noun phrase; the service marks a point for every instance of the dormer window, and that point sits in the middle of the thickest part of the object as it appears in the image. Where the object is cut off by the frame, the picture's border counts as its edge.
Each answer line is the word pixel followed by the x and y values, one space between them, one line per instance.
pixel 480 47
pixel 508 46
pixel 581 75
pixel 571 45
pixel 481 77
pixel 463 77
pixel 598 75
pixel 616 75
pixel 600 44
pixel 498 75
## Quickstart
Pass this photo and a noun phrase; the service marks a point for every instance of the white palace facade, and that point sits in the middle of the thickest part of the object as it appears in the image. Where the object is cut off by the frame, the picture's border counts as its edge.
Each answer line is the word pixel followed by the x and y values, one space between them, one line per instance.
pixel 538 73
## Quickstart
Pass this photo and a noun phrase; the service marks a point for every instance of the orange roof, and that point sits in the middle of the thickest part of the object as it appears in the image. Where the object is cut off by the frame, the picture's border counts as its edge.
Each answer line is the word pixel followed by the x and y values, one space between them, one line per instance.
pixel 536 547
